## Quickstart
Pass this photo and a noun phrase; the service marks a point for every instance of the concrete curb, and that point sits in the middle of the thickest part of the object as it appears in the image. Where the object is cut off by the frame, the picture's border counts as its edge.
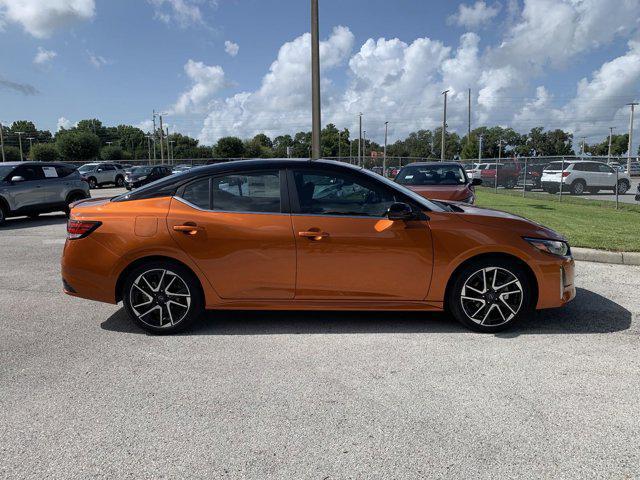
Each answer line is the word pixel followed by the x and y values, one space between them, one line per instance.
pixel 602 256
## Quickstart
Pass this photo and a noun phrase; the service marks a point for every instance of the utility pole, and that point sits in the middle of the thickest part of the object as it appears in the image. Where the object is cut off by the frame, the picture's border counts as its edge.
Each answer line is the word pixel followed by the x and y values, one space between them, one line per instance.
pixel 610 139
pixel 2 142
pixel 168 149
pixel 444 125
pixel 339 145
pixel 172 142
pixel 315 82
pixel 155 132
pixel 584 141
pixel 479 148
pixel 360 143
pixel 149 146
pixel 161 141
pixel 31 139
pixel 500 149
pixel 633 106
pixel 469 121
pixel 364 147
pixel 20 143
pixel 384 157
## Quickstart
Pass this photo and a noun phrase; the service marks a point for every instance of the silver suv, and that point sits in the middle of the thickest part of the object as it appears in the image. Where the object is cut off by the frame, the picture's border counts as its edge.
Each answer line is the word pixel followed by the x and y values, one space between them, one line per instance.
pixel 32 188
pixel 98 174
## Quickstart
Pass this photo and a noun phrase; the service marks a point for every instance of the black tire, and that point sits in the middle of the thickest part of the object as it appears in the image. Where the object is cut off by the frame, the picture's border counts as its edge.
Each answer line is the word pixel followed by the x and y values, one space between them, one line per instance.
pixel 623 187
pixel 495 309
pixel 170 318
pixel 510 184
pixel 119 181
pixel 551 190
pixel 93 183
pixel 3 214
pixel 578 187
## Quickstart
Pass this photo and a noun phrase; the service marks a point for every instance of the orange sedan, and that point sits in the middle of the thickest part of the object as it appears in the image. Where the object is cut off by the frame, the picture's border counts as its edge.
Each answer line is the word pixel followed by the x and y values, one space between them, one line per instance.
pixel 307 235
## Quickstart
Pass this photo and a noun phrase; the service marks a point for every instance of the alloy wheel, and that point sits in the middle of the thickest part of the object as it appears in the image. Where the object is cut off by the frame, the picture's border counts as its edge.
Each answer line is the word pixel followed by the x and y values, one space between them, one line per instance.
pixel 160 298
pixel 491 296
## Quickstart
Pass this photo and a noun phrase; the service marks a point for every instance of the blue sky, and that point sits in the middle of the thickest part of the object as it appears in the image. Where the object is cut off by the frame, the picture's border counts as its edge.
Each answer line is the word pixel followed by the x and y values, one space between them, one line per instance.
pixel 559 64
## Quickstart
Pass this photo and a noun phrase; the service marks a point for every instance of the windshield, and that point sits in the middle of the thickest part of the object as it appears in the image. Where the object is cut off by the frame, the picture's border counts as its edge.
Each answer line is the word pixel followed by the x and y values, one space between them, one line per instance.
pixel 5 170
pixel 141 170
pixel 432 175
pixel 87 168
pixel 419 199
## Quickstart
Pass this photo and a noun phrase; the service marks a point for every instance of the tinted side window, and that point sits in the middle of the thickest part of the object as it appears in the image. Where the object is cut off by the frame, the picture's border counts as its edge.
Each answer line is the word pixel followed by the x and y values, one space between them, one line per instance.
pixel 197 193
pixel 108 167
pixel 247 192
pixel 64 170
pixel 29 172
pixel 339 194
pixel 604 168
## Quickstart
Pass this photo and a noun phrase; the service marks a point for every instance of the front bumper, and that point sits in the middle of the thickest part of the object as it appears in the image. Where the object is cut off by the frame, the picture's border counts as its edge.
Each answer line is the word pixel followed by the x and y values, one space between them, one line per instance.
pixel 557 283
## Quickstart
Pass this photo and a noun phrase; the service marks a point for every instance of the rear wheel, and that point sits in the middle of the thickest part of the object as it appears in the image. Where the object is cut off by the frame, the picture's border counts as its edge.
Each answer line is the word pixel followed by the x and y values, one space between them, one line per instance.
pixel 490 295
pixel 93 183
pixel 162 297
pixel 578 187
pixel 119 181
pixel 74 197
pixel 623 187
pixel 551 190
pixel 3 214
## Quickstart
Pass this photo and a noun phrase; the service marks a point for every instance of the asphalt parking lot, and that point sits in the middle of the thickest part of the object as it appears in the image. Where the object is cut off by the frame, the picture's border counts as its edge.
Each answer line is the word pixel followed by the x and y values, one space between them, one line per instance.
pixel 84 393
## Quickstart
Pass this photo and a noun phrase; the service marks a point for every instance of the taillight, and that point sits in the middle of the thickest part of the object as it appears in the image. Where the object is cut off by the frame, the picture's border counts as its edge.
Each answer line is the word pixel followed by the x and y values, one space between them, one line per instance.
pixel 565 174
pixel 80 228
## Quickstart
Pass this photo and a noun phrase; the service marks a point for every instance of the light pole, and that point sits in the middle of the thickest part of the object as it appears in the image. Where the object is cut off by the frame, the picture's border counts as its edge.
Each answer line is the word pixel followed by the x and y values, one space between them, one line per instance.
pixel 610 139
pixel 31 139
pixel 149 146
pixel 172 142
pixel 633 106
pixel 479 148
pixel 339 145
pixel 364 146
pixel 444 125
pixel 384 157
pixel 315 82
pixel 161 139
pixel 360 141
pixel 20 143
pixel 2 142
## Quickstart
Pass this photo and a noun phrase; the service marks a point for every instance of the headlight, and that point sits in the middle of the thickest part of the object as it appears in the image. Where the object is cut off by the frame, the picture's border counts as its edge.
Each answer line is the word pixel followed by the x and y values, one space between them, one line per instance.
pixel 554 247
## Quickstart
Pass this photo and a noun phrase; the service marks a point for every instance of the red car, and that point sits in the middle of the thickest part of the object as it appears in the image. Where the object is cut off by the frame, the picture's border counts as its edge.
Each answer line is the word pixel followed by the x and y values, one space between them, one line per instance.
pixel 439 181
pixel 507 174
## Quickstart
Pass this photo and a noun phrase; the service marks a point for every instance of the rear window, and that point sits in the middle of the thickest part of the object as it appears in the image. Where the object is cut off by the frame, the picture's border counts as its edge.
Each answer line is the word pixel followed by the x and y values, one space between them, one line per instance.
pixel 432 175
pixel 555 166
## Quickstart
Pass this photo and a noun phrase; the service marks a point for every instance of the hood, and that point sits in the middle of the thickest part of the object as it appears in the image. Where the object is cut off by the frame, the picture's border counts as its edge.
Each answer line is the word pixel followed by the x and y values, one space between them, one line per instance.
pixel 442 192
pixel 504 220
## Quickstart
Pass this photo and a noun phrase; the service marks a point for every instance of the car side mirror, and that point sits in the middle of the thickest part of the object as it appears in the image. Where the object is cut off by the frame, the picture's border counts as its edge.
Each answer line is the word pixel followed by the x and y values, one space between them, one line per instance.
pixel 400 211
pixel 17 179
pixel 476 182
pixel 99 170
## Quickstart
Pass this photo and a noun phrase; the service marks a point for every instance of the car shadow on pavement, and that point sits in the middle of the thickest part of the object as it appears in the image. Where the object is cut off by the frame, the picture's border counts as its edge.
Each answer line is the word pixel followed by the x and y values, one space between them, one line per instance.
pixel 588 313
pixel 21 223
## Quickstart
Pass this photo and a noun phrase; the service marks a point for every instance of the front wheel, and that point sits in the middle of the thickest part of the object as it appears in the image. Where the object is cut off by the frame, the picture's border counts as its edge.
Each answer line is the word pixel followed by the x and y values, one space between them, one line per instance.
pixel 578 187
pixel 623 187
pixel 119 181
pixel 93 183
pixel 490 295
pixel 162 297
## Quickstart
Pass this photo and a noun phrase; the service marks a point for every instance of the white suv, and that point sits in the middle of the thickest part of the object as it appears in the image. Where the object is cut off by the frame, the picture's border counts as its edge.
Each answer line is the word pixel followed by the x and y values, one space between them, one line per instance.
pixel 579 177
pixel 98 174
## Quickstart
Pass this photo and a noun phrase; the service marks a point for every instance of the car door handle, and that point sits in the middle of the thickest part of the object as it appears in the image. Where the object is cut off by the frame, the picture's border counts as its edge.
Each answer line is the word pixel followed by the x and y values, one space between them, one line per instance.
pixel 188 229
pixel 313 235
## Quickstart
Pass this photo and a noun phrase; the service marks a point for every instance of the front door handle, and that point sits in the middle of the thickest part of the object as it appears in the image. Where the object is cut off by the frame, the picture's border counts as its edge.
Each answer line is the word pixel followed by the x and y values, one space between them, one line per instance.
pixel 188 229
pixel 313 235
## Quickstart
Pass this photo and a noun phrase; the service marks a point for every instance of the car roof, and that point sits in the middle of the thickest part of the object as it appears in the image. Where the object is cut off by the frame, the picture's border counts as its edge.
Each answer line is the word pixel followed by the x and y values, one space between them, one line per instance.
pixel 435 162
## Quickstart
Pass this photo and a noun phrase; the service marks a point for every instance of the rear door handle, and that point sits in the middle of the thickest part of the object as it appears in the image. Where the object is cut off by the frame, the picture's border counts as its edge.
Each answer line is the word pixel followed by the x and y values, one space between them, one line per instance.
pixel 313 235
pixel 188 229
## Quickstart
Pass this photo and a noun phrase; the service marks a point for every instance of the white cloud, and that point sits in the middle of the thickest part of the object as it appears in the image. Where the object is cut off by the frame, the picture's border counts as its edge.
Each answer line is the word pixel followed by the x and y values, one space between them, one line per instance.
pixel 41 18
pixel 473 16
pixel 63 123
pixel 231 48
pixel 282 102
pixel 44 56
pixel 207 81
pixel 181 12
pixel 401 82
pixel 98 61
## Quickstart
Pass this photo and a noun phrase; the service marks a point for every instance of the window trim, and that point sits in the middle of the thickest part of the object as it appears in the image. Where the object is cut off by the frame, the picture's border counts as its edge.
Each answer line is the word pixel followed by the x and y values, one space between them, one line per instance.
pixel 284 196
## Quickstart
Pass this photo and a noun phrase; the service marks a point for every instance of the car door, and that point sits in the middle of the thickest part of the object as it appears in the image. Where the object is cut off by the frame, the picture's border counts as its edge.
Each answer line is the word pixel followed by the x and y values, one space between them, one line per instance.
pixel 237 228
pixel 27 193
pixel 347 247
pixel 53 186
pixel 607 176
pixel 108 174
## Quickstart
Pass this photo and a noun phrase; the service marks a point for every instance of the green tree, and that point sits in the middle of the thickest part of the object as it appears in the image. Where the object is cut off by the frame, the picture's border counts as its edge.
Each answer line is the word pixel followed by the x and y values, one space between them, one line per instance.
pixel 301 145
pixel 280 145
pixel 229 147
pixel 111 152
pixel 11 154
pixel 44 152
pixel 78 145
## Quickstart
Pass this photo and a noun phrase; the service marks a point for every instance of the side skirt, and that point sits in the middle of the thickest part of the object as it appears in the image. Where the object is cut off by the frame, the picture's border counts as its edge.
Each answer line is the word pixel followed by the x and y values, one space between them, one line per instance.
pixel 326 305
